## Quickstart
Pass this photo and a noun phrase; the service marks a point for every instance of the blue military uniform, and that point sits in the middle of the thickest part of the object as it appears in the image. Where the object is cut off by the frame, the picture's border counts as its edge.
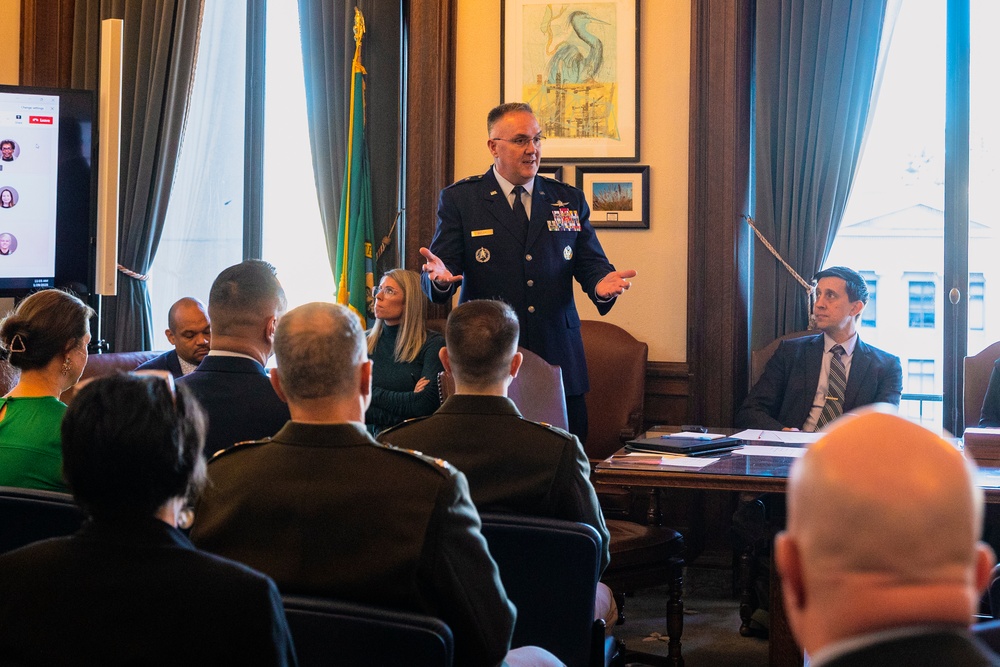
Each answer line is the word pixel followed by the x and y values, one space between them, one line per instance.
pixel 478 237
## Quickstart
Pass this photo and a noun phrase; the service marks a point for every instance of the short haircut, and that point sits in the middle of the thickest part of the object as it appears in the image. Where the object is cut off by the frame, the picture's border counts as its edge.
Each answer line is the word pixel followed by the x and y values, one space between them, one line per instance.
pixel 8 142
pixel 857 288
pixel 243 296
pixel 183 301
pixel 319 347
pixel 42 326
pixel 499 111
pixel 482 339
pixel 130 444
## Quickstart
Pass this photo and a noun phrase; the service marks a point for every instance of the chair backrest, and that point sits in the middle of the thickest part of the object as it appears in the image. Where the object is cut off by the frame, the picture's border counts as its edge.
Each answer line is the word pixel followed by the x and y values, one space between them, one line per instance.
pixel 29 515
pixel 99 365
pixel 988 633
pixel 550 570
pixel 330 632
pixel 537 391
pixel 616 363
pixel 977 377
pixel 759 358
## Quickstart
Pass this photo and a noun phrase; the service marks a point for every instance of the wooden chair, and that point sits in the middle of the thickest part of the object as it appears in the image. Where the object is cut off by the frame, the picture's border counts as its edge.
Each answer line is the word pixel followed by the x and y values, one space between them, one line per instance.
pixel 329 632
pixel 759 358
pixel 550 569
pixel 977 369
pixel 29 515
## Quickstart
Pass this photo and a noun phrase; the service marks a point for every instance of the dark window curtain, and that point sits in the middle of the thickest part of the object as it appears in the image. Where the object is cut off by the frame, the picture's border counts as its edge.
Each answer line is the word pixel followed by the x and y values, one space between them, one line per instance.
pixel 159 52
pixel 327 53
pixel 816 65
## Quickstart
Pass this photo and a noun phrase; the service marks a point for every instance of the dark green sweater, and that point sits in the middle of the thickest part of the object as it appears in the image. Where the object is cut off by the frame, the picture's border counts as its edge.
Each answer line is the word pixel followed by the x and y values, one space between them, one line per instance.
pixel 393 399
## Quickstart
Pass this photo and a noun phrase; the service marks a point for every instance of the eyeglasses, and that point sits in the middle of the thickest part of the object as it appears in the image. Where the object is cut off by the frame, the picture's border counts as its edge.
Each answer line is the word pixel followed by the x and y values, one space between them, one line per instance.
pixel 386 290
pixel 522 141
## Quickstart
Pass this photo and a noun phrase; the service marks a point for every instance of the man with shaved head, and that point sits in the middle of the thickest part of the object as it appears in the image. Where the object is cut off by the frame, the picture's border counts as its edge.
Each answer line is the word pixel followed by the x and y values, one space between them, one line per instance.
pixel 231 383
pixel 881 562
pixel 326 510
pixel 190 332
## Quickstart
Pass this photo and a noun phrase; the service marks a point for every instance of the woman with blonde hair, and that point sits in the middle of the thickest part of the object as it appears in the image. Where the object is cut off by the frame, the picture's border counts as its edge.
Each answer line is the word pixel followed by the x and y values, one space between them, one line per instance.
pixel 404 352
pixel 46 338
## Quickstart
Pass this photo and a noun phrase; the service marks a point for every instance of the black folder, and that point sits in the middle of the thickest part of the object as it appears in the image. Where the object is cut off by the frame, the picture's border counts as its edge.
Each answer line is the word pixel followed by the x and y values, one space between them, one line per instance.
pixel 680 445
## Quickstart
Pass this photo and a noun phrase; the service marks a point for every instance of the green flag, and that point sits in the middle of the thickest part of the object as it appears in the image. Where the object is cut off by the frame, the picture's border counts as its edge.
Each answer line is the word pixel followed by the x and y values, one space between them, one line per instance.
pixel 355 267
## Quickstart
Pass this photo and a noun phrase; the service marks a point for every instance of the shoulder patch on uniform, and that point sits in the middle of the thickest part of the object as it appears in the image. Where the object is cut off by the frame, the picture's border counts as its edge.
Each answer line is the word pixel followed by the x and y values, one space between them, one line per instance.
pixel 549 179
pixel 394 427
pixel 549 427
pixel 240 446
pixel 467 179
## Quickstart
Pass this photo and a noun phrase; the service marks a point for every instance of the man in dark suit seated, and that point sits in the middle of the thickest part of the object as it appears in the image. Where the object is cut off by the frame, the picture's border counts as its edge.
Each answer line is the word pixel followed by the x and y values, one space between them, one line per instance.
pixel 812 380
pixel 881 563
pixel 522 467
pixel 231 382
pixel 326 510
pixel 190 332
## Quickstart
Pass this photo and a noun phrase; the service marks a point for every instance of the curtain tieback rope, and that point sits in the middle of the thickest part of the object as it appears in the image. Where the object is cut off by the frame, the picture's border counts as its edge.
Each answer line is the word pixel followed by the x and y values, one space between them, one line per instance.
pixel 809 288
pixel 132 274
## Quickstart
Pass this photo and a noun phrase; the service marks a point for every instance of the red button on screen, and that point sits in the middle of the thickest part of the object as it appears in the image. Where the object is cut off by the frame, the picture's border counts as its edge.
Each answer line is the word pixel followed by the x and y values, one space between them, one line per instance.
pixel 39 120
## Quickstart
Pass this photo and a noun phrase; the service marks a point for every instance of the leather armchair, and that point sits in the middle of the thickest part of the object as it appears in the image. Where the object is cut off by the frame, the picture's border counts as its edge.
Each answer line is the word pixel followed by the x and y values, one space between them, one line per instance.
pixel 99 365
pixel 30 515
pixel 978 368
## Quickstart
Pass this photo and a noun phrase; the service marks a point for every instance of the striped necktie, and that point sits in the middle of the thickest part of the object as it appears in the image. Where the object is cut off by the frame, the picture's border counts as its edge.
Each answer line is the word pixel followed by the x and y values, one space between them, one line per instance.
pixel 836 385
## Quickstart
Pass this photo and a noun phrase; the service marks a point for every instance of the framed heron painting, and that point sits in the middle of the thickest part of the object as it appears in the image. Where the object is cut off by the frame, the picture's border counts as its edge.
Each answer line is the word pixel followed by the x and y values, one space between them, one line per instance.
pixel 577 65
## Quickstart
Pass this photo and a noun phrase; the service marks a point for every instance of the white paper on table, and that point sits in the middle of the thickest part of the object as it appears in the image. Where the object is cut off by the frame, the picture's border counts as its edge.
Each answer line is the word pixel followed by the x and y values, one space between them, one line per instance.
pixel 764 450
pixel 791 437
pixel 686 434
pixel 668 460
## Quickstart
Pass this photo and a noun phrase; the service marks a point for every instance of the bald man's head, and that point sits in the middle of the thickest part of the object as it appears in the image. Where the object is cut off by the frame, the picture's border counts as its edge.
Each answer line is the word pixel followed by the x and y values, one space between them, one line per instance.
pixel 320 348
pixel 881 510
pixel 189 330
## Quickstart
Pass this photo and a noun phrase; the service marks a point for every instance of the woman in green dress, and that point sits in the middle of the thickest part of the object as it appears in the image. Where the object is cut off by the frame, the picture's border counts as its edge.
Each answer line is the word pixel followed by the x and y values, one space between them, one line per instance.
pixel 46 338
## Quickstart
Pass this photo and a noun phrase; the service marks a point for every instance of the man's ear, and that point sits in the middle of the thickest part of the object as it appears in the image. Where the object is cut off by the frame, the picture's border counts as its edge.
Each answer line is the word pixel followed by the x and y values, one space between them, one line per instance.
pixel 272 325
pixel 445 361
pixel 365 385
pixel 515 364
pixel 857 307
pixel 788 560
pixel 170 337
pixel 985 560
pixel 276 383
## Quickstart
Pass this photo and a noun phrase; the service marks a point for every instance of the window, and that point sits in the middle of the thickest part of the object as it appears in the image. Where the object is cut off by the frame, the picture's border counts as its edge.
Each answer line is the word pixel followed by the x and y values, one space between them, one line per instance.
pixel 921 304
pixel 920 376
pixel 868 314
pixel 977 304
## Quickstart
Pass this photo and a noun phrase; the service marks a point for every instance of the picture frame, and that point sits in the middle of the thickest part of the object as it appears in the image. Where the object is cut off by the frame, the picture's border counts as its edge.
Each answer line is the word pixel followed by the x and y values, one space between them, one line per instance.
pixel 577 65
pixel 618 195
pixel 551 170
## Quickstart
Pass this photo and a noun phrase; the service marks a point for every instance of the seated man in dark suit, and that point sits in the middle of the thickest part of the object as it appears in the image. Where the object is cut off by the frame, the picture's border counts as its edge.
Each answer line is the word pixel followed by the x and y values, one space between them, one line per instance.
pixel 190 332
pixel 129 588
pixel 990 415
pixel 812 380
pixel 512 464
pixel 326 510
pixel 231 382
pixel 881 563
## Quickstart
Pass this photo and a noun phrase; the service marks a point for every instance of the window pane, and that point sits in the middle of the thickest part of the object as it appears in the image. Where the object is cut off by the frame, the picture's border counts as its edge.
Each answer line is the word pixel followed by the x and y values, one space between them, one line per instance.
pixel 203 231
pixel 869 314
pixel 921 304
pixel 293 233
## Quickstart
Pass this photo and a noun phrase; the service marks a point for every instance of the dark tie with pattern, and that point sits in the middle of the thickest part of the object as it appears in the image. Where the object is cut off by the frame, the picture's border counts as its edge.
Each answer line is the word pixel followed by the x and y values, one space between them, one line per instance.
pixel 836 385
pixel 519 213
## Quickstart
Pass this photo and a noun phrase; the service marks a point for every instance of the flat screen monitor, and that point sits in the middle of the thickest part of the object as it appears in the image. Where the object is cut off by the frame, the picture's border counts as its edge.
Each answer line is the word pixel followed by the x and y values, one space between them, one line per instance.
pixel 47 189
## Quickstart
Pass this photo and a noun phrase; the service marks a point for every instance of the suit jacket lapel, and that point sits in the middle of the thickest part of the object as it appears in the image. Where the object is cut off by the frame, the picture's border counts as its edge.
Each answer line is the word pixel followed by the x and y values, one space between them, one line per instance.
pixel 861 362
pixel 499 207
pixel 810 374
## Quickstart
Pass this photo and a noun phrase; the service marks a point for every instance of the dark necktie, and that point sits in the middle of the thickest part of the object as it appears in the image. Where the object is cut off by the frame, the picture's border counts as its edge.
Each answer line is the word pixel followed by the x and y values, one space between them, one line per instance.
pixel 519 213
pixel 836 385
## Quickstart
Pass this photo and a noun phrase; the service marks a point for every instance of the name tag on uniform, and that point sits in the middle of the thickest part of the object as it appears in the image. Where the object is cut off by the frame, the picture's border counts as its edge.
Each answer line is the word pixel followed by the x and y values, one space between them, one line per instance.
pixel 564 220
pixel 482 232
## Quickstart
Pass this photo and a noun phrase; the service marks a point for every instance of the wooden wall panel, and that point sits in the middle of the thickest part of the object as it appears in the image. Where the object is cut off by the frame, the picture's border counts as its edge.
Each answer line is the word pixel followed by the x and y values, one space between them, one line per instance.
pixel 47 42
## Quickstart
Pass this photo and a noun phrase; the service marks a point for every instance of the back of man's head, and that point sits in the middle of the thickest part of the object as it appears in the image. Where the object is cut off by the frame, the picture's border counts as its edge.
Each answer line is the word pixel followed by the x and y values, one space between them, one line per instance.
pixel 319 349
pixel 243 297
pixel 481 337
pixel 884 520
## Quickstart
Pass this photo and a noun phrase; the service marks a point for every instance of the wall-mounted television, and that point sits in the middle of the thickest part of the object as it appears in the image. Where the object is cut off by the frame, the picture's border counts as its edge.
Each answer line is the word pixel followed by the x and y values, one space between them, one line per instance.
pixel 48 143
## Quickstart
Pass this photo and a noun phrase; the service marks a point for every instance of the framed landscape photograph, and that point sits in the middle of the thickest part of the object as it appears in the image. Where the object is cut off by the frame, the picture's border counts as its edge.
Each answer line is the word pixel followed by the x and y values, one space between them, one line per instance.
pixel 577 65
pixel 618 196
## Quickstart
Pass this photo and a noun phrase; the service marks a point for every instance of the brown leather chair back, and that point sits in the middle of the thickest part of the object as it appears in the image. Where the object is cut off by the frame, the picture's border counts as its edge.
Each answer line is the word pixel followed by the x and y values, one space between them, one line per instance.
pixel 99 365
pixel 616 362
pixel 759 358
pixel 537 391
pixel 977 377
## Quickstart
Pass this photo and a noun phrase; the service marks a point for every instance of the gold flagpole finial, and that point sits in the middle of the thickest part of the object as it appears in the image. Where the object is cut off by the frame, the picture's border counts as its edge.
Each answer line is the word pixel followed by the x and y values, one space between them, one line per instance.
pixel 359 26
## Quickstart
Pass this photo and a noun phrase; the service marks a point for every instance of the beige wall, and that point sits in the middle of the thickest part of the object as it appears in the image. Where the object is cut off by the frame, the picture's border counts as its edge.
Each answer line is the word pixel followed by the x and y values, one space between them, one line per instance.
pixel 10 46
pixel 655 309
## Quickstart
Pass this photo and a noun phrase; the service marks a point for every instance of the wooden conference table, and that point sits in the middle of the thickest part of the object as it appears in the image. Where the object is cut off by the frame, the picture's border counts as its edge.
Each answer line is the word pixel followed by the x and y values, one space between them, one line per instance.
pixel 736 472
